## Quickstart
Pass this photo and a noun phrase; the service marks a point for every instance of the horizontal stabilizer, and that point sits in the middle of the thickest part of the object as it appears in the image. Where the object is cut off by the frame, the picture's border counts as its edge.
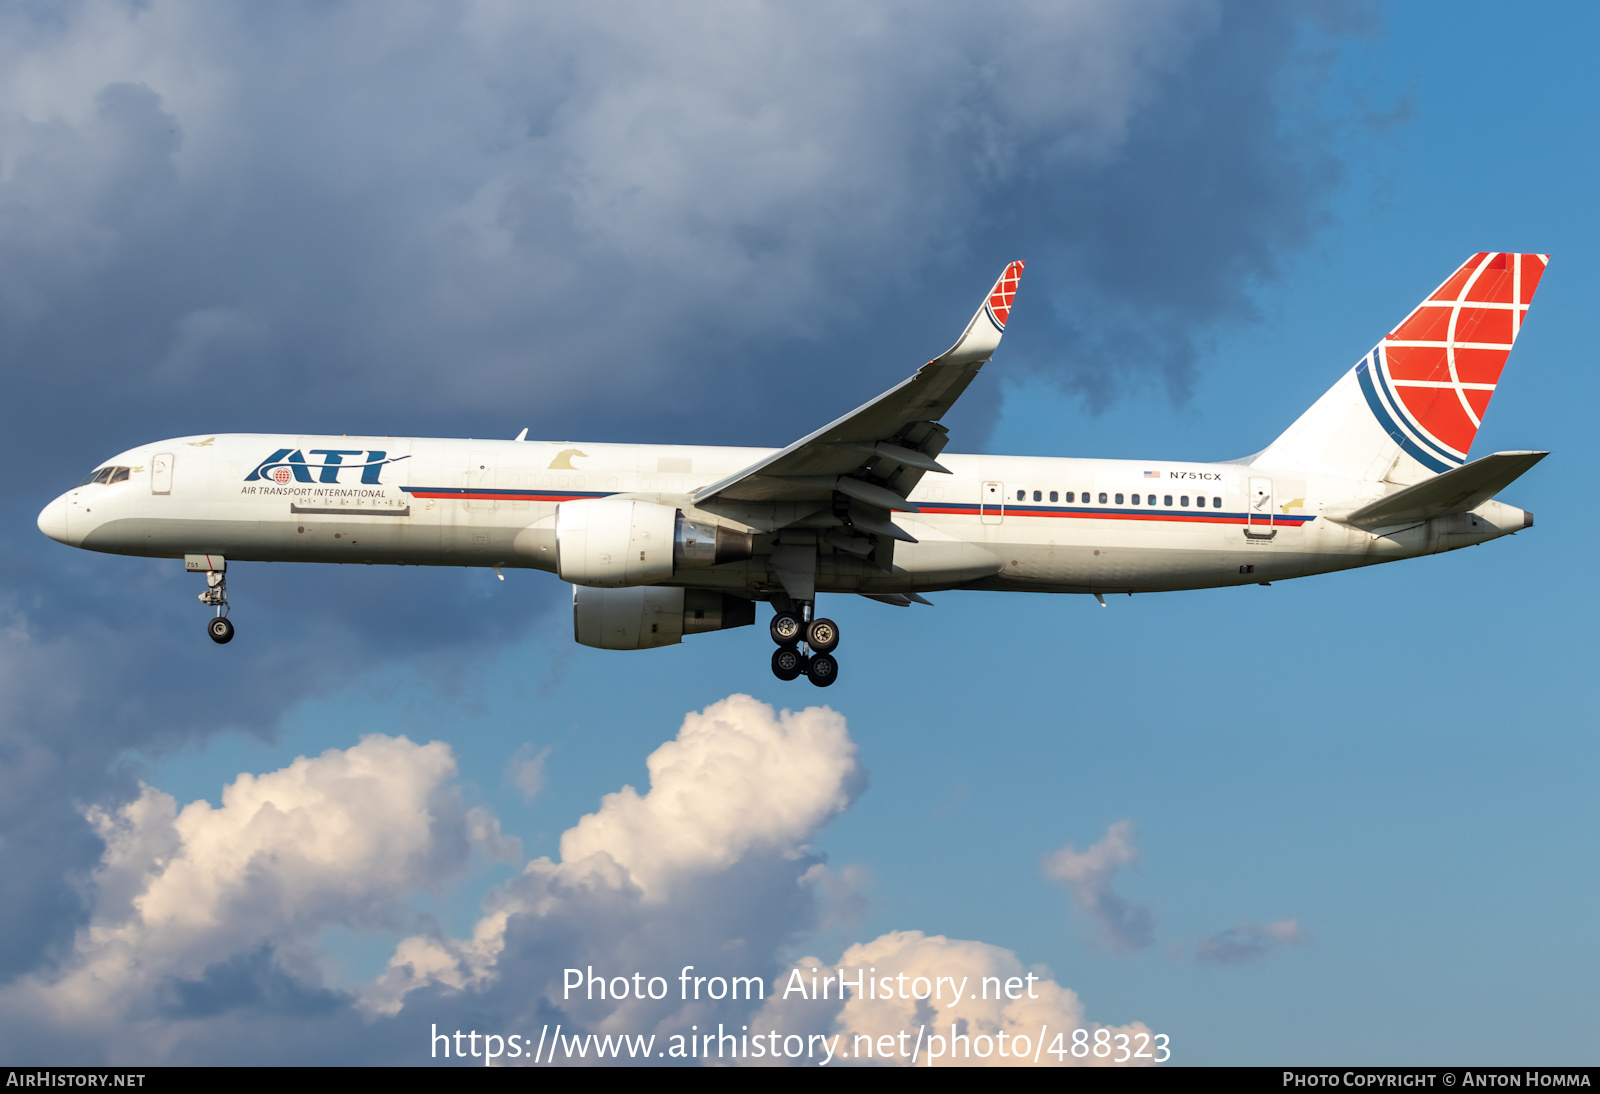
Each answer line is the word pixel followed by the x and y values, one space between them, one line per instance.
pixel 1458 491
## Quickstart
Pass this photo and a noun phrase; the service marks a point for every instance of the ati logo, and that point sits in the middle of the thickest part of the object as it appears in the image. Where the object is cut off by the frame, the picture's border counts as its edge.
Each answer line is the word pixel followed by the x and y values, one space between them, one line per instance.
pixel 290 465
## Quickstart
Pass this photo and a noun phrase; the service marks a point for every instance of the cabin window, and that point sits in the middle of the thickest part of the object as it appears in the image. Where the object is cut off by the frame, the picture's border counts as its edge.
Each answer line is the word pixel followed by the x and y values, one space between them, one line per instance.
pixel 1200 501
pixel 1119 499
pixel 1184 500
pixel 1216 503
pixel 1168 502
pixel 1151 500
pixel 1022 495
pixel 1135 499
pixel 1037 496
pixel 1070 495
pixel 1102 497
pixel 1053 496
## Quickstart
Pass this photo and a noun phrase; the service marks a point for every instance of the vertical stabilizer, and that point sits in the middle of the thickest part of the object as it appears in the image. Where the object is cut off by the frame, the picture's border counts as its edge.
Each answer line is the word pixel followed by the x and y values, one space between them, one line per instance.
pixel 1411 407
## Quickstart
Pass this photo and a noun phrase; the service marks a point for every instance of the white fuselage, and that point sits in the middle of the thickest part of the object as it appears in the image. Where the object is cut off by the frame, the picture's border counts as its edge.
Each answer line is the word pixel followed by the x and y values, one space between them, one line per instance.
pixel 995 522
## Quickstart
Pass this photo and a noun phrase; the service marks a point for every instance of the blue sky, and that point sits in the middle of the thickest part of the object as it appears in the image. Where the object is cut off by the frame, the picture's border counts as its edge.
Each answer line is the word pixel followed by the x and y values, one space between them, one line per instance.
pixel 1398 760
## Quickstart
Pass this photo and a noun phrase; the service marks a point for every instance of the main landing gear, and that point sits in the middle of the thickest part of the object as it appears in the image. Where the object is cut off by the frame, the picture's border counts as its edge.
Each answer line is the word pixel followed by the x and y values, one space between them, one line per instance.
pixel 789 629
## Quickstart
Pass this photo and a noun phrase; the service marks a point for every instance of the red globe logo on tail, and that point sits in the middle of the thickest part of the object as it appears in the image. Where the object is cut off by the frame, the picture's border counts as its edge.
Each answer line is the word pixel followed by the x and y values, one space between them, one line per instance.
pixel 1444 360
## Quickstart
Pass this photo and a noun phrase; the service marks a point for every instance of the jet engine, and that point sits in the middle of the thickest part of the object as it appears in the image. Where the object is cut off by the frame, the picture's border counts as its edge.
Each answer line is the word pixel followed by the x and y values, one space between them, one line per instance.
pixel 609 543
pixel 643 616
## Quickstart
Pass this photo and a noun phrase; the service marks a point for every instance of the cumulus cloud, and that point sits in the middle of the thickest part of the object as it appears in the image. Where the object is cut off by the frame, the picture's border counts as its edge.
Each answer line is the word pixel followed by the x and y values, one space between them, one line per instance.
pixel 1249 942
pixel 722 833
pixel 526 771
pixel 1124 927
pixel 971 999
pixel 841 894
pixel 204 944
pixel 342 839
pixel 736 778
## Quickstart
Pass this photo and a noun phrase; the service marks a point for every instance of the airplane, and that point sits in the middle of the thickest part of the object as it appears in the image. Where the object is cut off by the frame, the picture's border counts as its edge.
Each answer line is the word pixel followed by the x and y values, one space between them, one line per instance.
pixel 664 541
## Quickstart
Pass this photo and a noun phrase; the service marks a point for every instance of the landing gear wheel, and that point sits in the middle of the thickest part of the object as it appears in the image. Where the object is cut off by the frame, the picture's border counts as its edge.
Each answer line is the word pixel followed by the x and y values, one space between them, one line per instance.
pixel 822 635
pixel 788 663
pixel 823 670
pixel 786 628
pixel 220 630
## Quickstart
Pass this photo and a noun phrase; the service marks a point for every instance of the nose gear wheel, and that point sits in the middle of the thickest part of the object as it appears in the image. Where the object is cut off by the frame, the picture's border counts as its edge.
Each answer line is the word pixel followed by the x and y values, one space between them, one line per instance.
pixel 220 628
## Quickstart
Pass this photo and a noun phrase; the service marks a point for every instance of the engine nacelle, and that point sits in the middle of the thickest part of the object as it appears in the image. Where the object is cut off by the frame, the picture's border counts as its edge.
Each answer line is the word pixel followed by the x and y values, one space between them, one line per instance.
pixel 609 543
pixel 643 617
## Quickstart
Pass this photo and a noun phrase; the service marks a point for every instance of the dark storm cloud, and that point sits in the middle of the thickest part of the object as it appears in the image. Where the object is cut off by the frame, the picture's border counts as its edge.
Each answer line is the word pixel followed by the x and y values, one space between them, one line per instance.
pixel 633 222
pixel 622 221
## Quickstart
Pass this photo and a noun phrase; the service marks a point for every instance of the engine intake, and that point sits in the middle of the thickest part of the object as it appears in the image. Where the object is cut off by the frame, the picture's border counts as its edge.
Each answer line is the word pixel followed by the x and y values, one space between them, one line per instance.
pixel 643 617
pixel 610 543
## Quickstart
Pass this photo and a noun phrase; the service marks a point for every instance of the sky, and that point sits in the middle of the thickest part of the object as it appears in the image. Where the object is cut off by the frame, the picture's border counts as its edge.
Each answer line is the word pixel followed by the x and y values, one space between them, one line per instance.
pixel 1346 819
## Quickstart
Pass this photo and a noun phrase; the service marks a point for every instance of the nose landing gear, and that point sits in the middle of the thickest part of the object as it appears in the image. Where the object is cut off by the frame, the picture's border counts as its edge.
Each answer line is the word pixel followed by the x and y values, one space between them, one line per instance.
pixel 788 629
pixel 215 567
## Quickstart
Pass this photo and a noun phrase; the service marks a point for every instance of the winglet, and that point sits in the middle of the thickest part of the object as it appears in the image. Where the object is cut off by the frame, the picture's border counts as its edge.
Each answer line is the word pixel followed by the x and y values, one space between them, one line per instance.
pixel 982 336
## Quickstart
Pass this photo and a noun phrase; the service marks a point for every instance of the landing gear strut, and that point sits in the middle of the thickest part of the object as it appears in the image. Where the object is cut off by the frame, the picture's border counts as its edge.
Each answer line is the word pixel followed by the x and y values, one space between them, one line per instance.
pixel 791 627
pixel 215 567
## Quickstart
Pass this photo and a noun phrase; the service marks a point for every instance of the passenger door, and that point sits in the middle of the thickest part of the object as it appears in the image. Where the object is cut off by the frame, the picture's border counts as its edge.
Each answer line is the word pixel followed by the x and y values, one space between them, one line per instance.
pixel 161 473
pixel 1258 510
pixel 480 477
pixel 992 503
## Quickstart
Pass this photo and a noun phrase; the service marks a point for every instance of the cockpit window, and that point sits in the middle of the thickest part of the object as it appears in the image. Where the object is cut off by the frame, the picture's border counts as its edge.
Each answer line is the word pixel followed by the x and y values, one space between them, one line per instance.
pixel 105 475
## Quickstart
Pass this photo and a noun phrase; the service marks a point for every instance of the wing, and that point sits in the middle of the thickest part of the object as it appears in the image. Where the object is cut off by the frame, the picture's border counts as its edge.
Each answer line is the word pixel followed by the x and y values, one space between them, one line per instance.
pixel 864 465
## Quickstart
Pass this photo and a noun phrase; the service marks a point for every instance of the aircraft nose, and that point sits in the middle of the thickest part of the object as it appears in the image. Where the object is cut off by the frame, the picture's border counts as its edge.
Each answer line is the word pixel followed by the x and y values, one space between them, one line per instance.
pixel 53 519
